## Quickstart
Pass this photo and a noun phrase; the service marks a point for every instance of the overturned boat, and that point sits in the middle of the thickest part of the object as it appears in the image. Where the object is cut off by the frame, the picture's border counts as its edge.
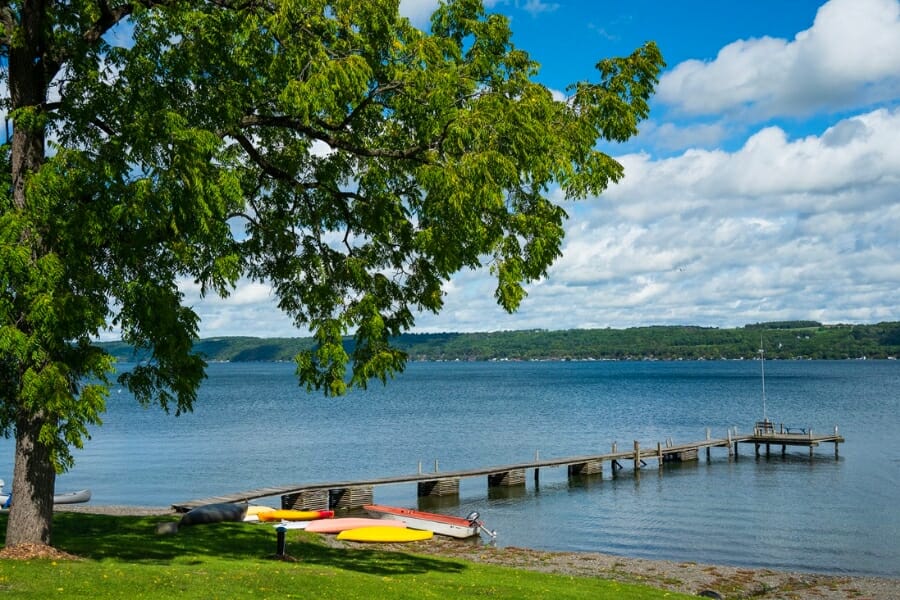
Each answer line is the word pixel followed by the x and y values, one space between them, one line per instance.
pixel 63 498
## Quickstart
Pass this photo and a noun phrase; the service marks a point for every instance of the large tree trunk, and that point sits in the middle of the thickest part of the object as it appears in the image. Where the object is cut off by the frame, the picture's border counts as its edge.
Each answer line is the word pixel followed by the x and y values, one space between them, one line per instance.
pixel 28 84
pixel 34 479
pixel 34 475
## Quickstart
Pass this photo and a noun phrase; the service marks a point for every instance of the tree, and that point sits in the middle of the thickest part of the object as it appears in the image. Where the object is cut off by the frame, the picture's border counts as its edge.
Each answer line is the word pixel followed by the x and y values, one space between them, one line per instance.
pixel 326 147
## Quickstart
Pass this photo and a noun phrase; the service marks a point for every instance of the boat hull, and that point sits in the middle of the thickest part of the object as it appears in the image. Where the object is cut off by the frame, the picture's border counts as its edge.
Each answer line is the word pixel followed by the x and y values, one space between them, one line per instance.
pixel 213 513
pixel 253 512
pixel 72 497
pixel 64 498
pixel 385 534
pixel 347 523
pixel 295 515
pixel 440 524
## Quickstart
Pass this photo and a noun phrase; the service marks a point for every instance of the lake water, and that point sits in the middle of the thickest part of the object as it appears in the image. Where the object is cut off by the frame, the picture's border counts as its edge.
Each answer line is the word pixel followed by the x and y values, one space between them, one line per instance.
pixel 254 427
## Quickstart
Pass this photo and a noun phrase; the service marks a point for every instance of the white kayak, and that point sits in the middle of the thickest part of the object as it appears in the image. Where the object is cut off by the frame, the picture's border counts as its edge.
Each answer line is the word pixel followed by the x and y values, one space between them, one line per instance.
pixel 64 498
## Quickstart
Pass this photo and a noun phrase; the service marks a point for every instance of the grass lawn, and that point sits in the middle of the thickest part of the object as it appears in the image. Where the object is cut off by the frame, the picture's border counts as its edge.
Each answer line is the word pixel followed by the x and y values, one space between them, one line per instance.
pixel 123 557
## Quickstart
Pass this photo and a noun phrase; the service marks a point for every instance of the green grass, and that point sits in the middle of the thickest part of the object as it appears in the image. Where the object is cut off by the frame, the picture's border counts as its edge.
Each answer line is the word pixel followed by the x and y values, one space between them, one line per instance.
pixel 123 557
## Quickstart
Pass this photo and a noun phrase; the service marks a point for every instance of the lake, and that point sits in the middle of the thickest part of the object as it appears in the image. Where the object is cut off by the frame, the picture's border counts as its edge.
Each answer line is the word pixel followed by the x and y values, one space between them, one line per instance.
pixel 253 426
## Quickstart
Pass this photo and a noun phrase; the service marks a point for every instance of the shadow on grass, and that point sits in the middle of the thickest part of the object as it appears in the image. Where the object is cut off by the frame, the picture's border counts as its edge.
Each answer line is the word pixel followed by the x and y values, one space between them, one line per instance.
pixel 134 540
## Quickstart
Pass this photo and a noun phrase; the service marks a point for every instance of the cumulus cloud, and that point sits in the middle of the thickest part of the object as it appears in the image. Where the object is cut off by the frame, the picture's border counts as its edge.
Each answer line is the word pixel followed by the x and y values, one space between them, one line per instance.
pixel 850 57
pixel 418 11
pixel 251 310
pixel 668 136
pixel 780 228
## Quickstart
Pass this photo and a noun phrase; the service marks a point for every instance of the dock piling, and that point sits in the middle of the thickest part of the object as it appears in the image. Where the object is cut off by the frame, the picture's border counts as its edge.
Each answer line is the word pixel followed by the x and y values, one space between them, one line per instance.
pixel 637 455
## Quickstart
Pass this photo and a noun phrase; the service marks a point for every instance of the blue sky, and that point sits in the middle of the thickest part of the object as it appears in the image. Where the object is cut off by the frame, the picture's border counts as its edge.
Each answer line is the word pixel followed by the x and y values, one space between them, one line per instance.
pixel 765 185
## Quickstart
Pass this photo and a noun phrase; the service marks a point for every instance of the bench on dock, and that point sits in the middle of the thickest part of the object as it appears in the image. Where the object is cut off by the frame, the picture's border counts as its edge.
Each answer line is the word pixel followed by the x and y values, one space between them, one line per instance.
pixel 764 428
pixel 802 430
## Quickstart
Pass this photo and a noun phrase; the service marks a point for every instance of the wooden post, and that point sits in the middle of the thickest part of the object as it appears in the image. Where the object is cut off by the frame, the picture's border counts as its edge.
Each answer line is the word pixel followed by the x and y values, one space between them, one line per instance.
pixel 659 456
pixel 707 454
pixel 637 455
pixel 707 434
pixel 537 471
pixel 730 448
pixel 835 442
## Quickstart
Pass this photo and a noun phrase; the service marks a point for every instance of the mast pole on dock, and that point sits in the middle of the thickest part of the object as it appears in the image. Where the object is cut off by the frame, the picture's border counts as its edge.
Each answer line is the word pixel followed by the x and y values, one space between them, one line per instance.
pixel 762 362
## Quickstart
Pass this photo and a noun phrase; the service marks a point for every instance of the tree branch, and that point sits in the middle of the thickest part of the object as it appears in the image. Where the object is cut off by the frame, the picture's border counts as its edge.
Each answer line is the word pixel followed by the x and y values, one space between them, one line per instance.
pixel 409 153
pixel 369 99
pixel 109 18
pixel 267 167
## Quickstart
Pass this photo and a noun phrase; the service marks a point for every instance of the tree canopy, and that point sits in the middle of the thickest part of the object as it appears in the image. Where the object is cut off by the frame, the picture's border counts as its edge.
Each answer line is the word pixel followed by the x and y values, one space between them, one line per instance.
pixel 326 148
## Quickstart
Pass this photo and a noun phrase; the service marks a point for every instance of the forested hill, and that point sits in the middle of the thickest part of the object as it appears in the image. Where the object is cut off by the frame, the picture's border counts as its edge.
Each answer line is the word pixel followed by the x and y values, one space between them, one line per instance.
pixel 783 340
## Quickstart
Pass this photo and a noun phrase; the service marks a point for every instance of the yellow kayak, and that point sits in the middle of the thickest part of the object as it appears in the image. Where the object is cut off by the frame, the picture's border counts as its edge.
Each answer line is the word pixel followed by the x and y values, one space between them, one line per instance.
pixel 381 533
pixel 256 510
pixel 295 515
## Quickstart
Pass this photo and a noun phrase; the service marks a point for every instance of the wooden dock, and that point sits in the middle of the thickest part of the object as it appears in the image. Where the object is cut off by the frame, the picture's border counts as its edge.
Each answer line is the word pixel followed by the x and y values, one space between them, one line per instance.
pixel 356 493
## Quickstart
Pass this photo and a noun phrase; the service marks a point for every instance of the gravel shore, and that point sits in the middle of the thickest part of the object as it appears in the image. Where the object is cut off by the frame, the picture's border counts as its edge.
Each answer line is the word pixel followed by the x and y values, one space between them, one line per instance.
pixel 687 577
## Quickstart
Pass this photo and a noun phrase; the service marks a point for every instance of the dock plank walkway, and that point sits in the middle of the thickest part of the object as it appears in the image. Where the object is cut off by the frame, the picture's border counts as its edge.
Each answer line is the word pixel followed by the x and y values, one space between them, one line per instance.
pixel 638 454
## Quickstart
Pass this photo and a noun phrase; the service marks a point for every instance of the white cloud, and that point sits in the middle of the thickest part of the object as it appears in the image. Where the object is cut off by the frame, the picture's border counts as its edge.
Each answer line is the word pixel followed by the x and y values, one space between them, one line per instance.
pixel 859 152
pixel 536 7
pixel 418 11
pixel 672 136
pixel 778 229
pixel 250 310
pixel 849 57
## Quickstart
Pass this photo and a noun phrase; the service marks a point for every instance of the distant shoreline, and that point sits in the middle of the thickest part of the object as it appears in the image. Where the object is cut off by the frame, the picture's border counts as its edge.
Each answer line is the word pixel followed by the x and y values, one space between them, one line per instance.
pixel 791 340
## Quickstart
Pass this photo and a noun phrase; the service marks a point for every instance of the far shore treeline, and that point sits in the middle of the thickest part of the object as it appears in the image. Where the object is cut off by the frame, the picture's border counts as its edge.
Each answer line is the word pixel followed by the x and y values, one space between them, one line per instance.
pixel 781 340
